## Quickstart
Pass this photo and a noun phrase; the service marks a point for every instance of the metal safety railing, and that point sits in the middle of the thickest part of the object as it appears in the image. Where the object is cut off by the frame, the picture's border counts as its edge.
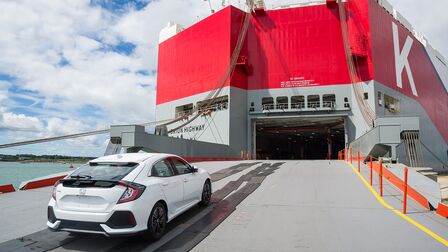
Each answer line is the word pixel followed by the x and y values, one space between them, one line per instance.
pixel 183 113
pixel 299 105
pixel 213 107
pixel 268 106
pixel 377 166
pixel 282 106
pixel 328 104
pixel 314 104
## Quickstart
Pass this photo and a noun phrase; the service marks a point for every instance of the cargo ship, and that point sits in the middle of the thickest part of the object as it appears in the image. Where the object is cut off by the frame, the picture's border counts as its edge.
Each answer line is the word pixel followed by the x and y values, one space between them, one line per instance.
pixel 300 82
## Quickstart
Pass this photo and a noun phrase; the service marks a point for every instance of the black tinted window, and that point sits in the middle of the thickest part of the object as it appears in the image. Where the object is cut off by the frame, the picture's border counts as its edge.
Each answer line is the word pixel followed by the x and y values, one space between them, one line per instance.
pixel 161 169
pixel 103 171
pixel 181 167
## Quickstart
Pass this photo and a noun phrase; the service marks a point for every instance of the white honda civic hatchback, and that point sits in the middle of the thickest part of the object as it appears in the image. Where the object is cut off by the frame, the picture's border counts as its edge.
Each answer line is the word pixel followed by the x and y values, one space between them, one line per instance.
pixel 127 194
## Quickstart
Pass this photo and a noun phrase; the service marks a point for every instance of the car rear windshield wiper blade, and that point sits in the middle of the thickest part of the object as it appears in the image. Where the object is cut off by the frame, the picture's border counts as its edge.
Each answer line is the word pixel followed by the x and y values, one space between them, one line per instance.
pixel 81 177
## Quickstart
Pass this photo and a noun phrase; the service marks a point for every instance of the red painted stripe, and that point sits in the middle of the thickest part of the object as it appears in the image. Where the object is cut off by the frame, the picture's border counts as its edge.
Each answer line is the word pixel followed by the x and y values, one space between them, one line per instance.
pixel 7 188
pixel 397 182
pixel 291 47
pixel 202 159
pixel 442 210
pixel 41 183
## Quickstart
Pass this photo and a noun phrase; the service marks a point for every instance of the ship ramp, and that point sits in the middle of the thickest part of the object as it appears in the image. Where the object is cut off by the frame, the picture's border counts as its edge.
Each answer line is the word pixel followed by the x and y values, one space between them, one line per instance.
pixel 256 206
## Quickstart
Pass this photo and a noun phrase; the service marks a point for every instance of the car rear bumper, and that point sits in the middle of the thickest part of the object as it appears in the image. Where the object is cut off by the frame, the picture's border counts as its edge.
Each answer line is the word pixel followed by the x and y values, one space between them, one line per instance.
pixel 117 222
pixel 92 228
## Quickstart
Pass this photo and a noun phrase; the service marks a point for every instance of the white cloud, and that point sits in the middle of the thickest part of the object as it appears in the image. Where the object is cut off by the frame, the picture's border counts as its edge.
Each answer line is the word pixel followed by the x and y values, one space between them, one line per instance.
pixel 56 49
pixel 9 120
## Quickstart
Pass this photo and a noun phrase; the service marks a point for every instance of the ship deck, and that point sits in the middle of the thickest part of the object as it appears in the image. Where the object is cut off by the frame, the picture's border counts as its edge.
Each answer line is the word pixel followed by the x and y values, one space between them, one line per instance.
pixel 256 206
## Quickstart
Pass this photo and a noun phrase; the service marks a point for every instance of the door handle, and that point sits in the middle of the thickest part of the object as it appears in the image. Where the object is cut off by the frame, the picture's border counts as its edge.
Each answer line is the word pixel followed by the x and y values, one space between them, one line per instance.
pixel 164 184
pixel 185 180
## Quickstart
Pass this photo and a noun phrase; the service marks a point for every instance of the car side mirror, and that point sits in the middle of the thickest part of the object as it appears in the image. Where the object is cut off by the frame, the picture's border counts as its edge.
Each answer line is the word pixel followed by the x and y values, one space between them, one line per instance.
pixel 194 168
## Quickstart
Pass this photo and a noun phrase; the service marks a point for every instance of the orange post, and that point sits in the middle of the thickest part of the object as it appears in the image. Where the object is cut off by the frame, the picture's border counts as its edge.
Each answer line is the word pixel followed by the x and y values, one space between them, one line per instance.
pixel 359 162
pixel 405 190
pixel 381 178
pixel 351 155
pixel 345 154
pixel 371 167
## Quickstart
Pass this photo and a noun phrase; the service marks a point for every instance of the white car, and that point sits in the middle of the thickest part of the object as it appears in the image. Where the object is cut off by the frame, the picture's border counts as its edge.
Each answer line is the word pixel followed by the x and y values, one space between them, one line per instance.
pixel 127 194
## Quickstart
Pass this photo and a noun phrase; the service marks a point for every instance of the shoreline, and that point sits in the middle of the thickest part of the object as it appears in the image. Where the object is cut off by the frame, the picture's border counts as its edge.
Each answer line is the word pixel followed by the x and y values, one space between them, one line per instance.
pixel 44 161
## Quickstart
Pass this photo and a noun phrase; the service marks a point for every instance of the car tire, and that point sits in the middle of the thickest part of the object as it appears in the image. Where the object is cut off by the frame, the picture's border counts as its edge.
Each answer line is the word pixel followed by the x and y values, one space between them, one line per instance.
pixel 156 223
pixel 206 194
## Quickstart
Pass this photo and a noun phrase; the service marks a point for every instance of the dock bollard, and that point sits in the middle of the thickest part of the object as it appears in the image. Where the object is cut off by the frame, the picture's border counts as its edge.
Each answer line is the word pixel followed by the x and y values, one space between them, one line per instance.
pixel 380 174
pixel 371 167
pixel 405 190
pixel 359 162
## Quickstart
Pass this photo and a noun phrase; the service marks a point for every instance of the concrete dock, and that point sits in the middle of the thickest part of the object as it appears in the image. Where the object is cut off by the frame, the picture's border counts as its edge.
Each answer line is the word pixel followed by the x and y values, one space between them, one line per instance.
pixel 257 206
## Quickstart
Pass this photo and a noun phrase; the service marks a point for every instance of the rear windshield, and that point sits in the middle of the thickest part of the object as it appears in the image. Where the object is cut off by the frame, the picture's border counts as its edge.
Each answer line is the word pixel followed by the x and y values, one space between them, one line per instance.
pixel 103 171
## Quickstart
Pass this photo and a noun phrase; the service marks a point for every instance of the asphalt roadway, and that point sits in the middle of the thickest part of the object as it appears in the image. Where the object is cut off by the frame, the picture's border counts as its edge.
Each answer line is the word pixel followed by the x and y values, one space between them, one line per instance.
pixel 256 206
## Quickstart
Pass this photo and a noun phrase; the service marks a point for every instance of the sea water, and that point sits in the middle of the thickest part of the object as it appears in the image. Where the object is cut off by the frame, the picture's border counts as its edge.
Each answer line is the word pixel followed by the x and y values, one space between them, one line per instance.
pixel 15 172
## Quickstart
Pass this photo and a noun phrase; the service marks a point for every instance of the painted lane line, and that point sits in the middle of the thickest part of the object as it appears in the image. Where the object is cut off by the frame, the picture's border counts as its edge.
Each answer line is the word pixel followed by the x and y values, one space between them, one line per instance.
pixel 399 213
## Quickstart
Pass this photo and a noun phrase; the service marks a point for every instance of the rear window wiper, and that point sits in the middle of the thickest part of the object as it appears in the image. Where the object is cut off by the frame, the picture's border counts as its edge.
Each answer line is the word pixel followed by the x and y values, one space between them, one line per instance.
pixel 81 177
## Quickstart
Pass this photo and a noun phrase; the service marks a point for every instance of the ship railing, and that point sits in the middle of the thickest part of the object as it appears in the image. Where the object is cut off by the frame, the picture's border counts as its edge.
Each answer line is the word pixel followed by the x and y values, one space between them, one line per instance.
pixel 182 113
pixel 298 105
pixel 214 107
pixel 328 104
pixel 282 106
pixel 313 104
pixel 268 106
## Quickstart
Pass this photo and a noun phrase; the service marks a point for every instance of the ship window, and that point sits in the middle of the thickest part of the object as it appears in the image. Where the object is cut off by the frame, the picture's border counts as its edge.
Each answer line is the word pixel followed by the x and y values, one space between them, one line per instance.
pixel 366 96
pixel 298 102
pixel 346 104
pixel 219 103
pixel 391 103
pixel 380 99
pixel 313 101
pixel 329 100
pixel 282 102
pixel 267 103
pixel 183 110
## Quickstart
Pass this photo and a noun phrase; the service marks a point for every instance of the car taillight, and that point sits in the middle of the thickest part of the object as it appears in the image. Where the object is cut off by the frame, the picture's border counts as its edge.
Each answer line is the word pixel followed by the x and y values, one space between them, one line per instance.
pixel 132 192
pixel 53 194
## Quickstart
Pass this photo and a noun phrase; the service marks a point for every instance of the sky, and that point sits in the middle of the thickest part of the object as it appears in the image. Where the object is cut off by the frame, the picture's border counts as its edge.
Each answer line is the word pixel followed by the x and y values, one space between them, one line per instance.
pixel 73 66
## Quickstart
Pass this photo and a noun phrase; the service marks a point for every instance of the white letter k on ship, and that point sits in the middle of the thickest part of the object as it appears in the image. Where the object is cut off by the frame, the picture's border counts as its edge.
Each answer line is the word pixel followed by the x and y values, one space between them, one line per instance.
pixel 401 59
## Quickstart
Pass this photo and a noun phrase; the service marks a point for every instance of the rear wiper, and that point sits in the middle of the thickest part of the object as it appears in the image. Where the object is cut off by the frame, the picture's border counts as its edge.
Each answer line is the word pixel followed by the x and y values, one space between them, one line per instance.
pixel 81 177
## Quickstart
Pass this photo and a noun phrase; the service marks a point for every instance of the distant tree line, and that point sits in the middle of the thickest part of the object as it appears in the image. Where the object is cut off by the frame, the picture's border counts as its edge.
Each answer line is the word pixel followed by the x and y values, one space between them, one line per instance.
pixel 43 158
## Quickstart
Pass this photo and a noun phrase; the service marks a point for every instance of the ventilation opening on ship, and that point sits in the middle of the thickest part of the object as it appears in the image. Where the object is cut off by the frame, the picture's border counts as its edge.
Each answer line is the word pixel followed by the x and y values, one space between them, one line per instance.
pixel 299 138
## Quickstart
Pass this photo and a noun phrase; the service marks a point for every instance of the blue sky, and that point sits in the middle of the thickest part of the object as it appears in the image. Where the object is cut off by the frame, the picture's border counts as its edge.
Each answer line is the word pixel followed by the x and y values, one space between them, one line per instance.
pixel 74 66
